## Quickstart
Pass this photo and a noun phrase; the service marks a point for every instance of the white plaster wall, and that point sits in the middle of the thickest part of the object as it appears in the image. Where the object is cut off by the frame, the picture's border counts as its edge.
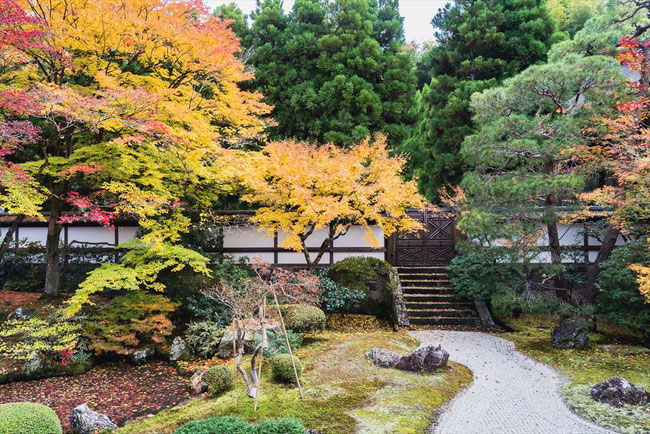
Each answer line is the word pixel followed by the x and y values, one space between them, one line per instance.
pixel 357 237
pixel 265 256
pixel 91 234
pixel 315 240
pixel 246 236
pixel 33 234
pixel 126 233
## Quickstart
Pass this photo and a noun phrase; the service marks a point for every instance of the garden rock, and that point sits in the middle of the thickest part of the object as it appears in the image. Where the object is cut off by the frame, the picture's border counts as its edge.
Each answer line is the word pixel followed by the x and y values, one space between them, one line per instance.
pixel 34 365
pixel 570 333
pixel 383 357
pixel 141 357
pixel 618 391
pixel 21 314
pixel 623 350
pixel 179 350
pixel 197 385
pixel 427 358
pixel 85 421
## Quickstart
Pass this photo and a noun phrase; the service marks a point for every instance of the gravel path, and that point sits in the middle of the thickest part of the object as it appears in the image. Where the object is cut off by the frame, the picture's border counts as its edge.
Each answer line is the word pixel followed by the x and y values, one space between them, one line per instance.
pixel 510 393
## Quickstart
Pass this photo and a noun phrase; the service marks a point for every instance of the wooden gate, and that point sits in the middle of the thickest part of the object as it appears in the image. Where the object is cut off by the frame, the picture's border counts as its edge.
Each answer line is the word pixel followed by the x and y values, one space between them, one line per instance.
pixel 434 244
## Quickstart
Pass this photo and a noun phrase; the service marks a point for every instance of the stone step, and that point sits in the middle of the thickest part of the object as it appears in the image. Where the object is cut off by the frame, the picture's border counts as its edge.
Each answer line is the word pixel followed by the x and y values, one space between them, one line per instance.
pixel 422 270
pixel 423 276
pixel 441 320
pixel 425 282
pixel 447 290
pixel 439 305
pixel 445 313
pixel 436 298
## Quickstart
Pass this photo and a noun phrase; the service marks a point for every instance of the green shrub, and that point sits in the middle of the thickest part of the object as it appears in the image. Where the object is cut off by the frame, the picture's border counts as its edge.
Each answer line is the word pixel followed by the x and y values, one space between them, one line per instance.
pixel 204 337
pixel 619 300
pixel 479 272
pixel 28 418
pixel 336 298
pixel 219 379
pixel 355 271
pixel 277 343
pixel 235 425
pixel 283 368
pixel 303 318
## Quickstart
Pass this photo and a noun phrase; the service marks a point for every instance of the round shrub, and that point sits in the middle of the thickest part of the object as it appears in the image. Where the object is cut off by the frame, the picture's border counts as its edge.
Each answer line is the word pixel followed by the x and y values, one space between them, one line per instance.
pixel 355 271
pixel 219 379
pixel 283 368
pixel 279 426
pixel 235 425
pixel 303 318
pixel 28 418
pixel 215 425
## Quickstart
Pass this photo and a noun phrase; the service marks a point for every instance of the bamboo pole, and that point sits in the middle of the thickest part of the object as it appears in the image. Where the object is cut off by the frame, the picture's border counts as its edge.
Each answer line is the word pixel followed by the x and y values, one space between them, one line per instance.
pixel 259 371
pixel 234 362
pixel 286 337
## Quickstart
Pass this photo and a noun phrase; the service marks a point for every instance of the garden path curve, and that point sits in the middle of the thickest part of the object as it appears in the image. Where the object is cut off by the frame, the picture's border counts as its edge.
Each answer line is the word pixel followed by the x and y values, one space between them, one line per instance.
pixel 511 393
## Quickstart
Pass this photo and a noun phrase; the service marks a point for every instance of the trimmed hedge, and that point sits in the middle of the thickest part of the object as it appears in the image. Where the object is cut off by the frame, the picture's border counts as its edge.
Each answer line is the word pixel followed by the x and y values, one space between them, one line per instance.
pixel 219 379
pixel 235 425
pixel 303 318
pixel 283 368
pixel 28 418
pixel 355 271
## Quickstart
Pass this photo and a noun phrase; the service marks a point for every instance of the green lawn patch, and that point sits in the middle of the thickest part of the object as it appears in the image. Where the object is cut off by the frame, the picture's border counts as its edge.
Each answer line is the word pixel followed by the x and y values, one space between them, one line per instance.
pixel 584 368
pixel 343 392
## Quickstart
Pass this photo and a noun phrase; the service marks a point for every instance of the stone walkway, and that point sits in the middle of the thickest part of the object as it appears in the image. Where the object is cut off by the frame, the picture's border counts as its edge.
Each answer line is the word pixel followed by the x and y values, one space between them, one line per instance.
pixel 511 394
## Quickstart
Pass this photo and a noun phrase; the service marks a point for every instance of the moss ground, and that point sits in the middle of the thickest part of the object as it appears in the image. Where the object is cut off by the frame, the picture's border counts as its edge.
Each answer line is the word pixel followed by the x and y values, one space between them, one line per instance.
pixel 343 392
pixel 584 368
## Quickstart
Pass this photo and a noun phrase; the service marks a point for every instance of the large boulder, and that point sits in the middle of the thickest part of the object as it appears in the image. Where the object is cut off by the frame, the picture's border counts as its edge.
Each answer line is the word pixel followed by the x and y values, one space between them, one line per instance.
pixel 140 357
pixel 383 357
pixel 570 333
pixel 179 350
pixel 85 421
pixel 34 365
pixel 21 314
pixel 427 358
pixel 618 391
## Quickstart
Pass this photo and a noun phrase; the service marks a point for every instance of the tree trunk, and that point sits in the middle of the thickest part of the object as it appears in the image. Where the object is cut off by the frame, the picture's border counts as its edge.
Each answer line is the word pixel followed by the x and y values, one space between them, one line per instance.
pixel 9 236
pixel 608 244
pixel 52 251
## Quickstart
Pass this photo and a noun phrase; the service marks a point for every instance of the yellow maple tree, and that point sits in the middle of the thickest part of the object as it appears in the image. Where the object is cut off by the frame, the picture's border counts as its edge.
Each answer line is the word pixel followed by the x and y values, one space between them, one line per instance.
pixel 303 188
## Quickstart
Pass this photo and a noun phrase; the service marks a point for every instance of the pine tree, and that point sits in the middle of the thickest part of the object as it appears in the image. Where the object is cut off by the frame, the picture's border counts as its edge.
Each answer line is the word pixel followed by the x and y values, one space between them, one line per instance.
pixel 481 42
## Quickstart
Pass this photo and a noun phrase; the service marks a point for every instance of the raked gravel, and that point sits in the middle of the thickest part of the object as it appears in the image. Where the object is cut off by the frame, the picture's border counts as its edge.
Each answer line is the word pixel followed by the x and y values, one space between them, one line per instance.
pixel 511 393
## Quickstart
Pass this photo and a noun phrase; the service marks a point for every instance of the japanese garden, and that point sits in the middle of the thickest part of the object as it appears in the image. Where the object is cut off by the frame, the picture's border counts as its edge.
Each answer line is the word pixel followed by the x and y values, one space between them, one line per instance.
pixel 293 217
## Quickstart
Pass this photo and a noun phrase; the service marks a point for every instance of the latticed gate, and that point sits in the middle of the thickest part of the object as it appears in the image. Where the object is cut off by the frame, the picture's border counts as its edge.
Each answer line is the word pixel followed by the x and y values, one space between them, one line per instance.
pixel 434 244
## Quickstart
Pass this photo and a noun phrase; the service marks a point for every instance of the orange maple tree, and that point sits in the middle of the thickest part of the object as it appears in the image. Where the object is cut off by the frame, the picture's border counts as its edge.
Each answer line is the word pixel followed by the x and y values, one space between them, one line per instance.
pixel 303 188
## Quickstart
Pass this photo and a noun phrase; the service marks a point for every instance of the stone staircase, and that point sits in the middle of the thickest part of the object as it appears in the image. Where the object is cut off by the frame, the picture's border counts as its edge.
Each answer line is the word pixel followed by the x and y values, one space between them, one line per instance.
pixel 430 298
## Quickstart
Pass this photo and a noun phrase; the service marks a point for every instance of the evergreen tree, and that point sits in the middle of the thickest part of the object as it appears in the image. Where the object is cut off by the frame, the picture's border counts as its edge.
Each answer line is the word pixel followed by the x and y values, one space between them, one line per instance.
pixel 334 71
pixel 481 42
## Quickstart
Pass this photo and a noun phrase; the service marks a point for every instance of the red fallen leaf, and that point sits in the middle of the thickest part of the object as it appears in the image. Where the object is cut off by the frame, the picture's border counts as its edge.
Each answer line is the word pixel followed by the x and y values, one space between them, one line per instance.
pixel 120 391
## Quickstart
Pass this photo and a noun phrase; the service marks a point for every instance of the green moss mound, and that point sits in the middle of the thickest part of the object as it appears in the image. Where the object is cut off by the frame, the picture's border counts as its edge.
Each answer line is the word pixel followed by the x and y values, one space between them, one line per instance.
pixel 219 380
pixel 283 368
pixel 235 425
pixel 28 418
pixel 303 318
pixel 355 271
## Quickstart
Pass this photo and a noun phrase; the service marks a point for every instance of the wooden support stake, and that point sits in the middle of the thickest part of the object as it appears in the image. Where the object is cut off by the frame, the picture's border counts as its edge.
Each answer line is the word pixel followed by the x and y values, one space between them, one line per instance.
pixel 234 362
pixel 259 371
pixel 286 337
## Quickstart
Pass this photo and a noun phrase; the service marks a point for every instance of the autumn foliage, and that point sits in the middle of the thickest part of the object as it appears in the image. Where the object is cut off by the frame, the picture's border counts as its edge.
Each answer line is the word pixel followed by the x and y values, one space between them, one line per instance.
pixel 303 188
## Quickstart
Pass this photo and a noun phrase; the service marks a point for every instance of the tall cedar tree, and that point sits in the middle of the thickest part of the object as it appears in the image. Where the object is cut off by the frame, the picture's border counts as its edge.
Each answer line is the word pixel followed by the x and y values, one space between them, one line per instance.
pixel 481 42
pixel 335 71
